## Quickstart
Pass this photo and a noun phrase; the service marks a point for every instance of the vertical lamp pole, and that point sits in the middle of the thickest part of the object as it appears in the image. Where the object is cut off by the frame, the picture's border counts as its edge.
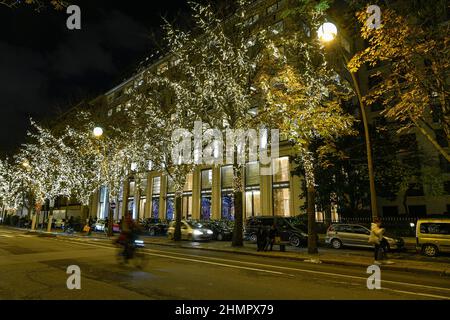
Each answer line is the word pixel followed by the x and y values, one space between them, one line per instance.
pixel 326 33
pixel 98 133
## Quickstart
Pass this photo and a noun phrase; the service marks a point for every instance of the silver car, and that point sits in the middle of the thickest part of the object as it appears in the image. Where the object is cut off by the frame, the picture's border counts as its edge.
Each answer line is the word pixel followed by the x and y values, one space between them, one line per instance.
pixel 355 235
pixel 190 231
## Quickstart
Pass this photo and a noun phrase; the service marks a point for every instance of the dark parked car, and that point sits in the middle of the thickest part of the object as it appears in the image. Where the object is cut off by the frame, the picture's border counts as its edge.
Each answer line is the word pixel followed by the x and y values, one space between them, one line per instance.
pixel 221 230
pixel 287 231
pixel 155 227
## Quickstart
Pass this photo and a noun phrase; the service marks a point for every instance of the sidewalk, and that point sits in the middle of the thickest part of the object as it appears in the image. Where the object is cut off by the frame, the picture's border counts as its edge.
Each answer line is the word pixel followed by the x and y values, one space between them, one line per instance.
pixel 326 255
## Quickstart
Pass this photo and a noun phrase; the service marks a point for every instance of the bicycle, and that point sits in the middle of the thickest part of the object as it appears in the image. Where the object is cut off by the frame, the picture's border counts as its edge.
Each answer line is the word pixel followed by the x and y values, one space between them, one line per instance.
pixel 131 252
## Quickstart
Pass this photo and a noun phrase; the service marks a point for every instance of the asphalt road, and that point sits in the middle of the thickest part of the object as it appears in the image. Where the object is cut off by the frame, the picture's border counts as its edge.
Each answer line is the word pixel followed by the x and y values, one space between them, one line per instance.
pixel 34 267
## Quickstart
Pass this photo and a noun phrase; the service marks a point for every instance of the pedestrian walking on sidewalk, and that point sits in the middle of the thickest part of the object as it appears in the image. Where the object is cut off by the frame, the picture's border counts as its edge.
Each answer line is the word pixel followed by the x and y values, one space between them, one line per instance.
pixel 380 244
pixel 273 233
pixel 261 237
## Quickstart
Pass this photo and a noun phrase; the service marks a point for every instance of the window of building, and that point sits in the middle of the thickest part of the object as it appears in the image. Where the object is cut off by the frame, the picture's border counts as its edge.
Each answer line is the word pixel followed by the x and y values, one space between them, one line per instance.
pixel 281 197
pixel 163 67
pixel 170 199
pixel 441 137
pixel 376 106
pixel 155 196
pixel 390 211
pixel 408 142
pixel 187 197
pixel 447 187
pixel 252 202
pixel 374 80
pixel 227 192
pixel 415 190
pixel 277 28
pixel 417 211
pixel 280 187
pixel 281 170
pixel 131 187
pixel 252 20
pixel 206 179
pixel 444 164
pixel 252 176
pixel 206 195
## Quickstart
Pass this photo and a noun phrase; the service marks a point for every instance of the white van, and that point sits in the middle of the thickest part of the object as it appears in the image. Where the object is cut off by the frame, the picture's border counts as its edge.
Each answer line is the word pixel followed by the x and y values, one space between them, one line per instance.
pixel 433 236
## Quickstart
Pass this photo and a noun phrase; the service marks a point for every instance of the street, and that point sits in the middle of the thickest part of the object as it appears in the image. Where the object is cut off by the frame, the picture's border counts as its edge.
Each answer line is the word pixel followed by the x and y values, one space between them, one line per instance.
pixel 34 267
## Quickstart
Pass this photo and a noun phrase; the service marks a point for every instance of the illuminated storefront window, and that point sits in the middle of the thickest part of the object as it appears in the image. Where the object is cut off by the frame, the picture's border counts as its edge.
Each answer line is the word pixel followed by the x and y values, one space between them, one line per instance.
pixel 170 199
pixel 155 197
pixel 206 194
pixel 281 190
pixel 252 191
pixel 227 193
pixel 187 197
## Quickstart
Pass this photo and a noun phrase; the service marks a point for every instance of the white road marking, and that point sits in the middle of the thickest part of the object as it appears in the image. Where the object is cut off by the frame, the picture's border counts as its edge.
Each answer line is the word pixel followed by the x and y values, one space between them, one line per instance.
pixel 281 267
pixel 313 271
pixel 418 294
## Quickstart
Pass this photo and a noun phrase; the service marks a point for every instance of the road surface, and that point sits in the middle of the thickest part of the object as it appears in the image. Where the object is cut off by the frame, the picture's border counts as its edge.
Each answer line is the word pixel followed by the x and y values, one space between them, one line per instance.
pixel 34 267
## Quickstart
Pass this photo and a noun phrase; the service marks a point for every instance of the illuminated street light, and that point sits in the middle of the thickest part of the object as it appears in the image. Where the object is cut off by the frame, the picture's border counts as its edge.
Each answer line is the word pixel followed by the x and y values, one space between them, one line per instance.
pixel 327 32
pixel 98 132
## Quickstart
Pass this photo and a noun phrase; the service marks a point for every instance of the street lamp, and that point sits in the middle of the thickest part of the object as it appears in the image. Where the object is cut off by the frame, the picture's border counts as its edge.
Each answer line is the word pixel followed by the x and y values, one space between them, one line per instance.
pixel 98 133
pixel 327 32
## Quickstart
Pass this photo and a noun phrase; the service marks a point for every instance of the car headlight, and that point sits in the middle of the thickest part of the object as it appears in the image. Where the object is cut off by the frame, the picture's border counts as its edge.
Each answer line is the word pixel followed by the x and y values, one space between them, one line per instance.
pixel 209 232
pixel 197 232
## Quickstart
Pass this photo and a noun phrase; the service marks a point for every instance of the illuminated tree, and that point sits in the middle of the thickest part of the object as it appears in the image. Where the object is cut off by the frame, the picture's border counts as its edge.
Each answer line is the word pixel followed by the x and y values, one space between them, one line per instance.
pixel 412 49
pixel 303 95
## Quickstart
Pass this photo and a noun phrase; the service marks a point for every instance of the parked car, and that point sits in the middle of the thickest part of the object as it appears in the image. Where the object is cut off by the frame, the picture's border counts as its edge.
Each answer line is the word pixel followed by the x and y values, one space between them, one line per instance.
pixel 433 236
pixel 355 235
pixel 287 231
pixel 220 230
pixel 155 226
pixel 59 223
pixel 191 231
pixel 100 226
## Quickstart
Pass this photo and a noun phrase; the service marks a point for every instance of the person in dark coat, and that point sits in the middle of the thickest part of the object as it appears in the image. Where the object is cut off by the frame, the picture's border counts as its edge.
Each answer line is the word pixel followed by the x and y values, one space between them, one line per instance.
pixel 273 232
pixel 261 237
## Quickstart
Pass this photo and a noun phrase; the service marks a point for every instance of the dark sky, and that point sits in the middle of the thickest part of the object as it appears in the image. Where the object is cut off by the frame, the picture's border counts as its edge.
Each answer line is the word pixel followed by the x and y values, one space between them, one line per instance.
pixel 44 67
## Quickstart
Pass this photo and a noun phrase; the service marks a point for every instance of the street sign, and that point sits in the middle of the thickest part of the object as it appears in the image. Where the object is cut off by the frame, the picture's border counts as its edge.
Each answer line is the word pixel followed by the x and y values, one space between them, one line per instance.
pixel 113 205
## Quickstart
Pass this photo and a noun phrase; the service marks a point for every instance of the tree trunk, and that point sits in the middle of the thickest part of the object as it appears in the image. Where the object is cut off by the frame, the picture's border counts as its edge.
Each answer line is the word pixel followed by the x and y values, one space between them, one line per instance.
pixel 405 203
pixel 238 240
pixel 312 234
pixel 50 220
pixel 177 233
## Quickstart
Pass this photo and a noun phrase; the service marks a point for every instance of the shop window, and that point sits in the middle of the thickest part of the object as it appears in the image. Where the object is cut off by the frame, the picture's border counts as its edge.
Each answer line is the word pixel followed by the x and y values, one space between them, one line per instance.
pixel 206 196
pixel 252 176
pixel 252 203
pixel 155 197
pixel 281 197
pixel 281 169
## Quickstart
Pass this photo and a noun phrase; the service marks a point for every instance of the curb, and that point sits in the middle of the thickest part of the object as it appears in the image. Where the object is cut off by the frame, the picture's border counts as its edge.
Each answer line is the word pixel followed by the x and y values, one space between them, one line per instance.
pixel 445 272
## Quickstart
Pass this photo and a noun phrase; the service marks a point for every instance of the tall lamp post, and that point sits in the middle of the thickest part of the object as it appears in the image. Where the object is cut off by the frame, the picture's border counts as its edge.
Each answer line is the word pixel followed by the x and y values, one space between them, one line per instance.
pixel 98 133
pixel 327 33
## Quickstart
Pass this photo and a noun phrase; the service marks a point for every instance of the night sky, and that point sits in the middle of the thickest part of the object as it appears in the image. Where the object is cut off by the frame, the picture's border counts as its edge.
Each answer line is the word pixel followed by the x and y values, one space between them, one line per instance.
pixel 46 68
